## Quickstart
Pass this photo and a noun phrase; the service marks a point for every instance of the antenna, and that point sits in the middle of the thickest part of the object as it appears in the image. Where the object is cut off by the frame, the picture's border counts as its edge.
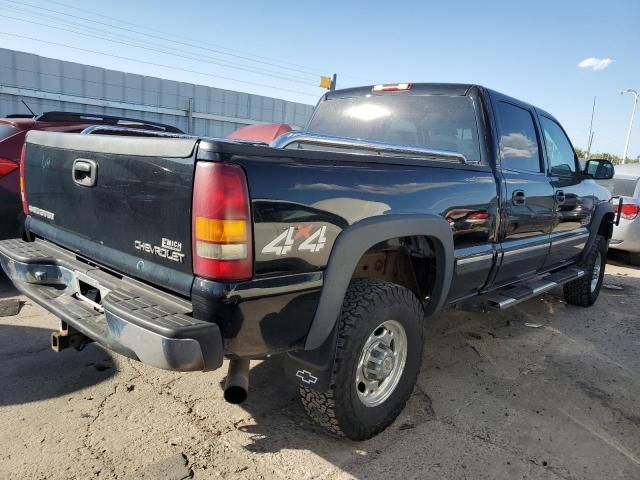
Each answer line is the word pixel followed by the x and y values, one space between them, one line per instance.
pixel 25 104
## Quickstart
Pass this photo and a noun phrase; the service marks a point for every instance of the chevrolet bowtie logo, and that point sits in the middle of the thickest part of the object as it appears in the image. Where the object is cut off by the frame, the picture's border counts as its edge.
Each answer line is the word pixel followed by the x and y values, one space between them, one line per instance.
pixel 306 377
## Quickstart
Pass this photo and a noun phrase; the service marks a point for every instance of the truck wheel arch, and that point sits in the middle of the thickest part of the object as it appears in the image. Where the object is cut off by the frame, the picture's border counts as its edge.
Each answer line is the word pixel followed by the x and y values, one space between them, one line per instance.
pixel 601 223
pixel 355 241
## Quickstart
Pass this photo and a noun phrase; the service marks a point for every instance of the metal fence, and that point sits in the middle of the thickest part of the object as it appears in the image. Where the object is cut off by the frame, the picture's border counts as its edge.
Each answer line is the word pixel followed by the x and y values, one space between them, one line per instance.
pixel 47 84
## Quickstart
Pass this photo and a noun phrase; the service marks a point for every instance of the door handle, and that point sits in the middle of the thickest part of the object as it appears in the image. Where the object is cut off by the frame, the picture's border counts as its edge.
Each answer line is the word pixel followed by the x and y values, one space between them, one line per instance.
pixel 519 197
pixel 84 172
pixel 560 197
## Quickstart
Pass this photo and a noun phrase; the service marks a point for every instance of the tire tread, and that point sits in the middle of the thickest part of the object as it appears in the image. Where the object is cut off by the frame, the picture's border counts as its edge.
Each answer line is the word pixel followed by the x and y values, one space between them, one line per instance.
pixel 578 292
pixel 363 297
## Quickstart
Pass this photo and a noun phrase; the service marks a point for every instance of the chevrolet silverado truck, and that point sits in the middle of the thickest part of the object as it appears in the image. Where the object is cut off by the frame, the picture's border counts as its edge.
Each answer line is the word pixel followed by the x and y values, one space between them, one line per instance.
pixel 332 245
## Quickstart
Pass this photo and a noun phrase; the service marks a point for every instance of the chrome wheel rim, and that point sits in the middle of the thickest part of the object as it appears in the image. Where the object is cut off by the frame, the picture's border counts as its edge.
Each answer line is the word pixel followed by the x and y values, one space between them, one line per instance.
pixel 381 363
pixel 595 275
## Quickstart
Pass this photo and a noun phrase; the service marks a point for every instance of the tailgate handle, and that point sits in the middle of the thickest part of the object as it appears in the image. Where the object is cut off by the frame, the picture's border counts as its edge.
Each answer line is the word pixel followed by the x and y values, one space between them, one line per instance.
pixel 85 172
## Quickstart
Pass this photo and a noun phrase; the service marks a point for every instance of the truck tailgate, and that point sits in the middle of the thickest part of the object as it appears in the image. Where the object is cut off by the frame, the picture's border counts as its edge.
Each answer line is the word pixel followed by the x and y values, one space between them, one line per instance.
pixel 124 202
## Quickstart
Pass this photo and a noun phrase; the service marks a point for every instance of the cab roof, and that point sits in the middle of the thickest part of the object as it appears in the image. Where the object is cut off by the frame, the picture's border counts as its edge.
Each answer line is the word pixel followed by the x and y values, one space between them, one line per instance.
pixel 454 89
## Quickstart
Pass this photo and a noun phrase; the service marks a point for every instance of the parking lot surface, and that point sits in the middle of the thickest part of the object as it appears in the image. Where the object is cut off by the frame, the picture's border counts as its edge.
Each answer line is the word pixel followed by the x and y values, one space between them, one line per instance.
pixel 542 391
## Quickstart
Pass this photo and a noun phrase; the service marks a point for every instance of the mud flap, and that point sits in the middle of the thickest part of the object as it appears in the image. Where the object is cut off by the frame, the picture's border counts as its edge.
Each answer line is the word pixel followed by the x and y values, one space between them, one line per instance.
pixel 313 368
pixel 602 209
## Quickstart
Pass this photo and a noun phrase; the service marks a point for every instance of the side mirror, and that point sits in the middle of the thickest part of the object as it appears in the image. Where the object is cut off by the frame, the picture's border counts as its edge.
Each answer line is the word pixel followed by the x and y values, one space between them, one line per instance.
pixel 599 169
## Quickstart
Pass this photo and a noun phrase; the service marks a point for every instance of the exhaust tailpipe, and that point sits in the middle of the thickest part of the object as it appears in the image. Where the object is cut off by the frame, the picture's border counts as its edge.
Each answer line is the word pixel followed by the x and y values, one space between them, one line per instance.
pixel 236 388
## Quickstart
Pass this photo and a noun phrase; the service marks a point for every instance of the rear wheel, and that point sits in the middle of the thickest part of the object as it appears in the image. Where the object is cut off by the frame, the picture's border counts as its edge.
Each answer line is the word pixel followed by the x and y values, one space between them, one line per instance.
pixel 584 291
pixel 378 355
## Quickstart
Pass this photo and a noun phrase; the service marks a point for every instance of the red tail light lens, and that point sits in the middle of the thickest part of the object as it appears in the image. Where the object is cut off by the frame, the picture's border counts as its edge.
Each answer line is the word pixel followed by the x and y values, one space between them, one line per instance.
pixel 6 167
pixel 222 233
pixel 478 216
pixel 629 211
pixel 23 191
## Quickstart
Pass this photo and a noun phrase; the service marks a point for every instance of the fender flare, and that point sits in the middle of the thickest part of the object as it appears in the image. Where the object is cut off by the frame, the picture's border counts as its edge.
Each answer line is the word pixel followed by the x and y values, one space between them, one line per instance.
pixel 601 210
pixel 354 241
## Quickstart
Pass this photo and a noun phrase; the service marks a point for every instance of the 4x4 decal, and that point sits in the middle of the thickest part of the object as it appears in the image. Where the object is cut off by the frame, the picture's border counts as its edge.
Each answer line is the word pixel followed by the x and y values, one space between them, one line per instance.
pixel 284 243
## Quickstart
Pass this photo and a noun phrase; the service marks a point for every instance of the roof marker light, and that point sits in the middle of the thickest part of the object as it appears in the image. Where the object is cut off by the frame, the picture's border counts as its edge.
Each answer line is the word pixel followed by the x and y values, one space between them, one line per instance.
pixel 391 87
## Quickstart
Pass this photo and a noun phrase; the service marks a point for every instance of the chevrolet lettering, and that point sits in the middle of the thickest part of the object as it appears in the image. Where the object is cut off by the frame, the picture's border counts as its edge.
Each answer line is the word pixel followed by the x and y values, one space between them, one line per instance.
pixel 169 250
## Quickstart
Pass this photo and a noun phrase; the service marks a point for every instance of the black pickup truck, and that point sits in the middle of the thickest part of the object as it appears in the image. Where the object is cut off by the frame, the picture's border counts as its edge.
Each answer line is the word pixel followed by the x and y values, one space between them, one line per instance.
pixel 332 245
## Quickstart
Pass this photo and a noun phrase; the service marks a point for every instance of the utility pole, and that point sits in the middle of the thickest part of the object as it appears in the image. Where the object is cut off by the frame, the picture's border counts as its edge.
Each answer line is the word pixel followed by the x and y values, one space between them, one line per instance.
pixel 334 79
pixel 633 113
pixel 589 147
pixel 593 111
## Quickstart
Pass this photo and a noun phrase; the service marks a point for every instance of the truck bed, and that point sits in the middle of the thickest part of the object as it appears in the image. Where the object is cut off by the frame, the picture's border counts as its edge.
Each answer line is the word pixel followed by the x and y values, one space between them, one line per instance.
pixel 136 220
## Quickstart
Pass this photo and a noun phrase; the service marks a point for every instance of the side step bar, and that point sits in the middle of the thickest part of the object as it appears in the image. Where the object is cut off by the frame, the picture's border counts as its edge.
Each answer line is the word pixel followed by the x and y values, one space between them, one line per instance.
pixel 510 296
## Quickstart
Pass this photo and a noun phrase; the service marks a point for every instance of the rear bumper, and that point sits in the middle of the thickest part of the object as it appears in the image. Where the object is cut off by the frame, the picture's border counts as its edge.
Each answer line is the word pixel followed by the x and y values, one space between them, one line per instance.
pixel 626 236
pixel 133 319
pixel 11 225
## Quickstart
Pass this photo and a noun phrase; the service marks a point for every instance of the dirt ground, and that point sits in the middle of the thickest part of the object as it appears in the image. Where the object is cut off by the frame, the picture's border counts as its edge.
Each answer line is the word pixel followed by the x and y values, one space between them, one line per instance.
pixel 495 399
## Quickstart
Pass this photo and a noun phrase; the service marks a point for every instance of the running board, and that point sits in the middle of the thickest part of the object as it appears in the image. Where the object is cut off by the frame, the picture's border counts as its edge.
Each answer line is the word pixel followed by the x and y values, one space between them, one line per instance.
pixel 512 295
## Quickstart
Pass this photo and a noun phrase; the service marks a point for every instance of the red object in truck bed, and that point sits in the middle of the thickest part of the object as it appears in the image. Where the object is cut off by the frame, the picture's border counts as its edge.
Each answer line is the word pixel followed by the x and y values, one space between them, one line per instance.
pixel 264 132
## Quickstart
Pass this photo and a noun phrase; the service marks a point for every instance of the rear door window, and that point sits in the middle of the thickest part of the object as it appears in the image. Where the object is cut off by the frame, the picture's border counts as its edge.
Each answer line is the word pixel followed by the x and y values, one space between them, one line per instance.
pixel 519 148
pixel 626 187
pixel 6 131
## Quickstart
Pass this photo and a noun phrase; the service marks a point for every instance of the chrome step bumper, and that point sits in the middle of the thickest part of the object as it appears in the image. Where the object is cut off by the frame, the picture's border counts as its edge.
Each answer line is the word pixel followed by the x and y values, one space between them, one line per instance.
pixel 132 319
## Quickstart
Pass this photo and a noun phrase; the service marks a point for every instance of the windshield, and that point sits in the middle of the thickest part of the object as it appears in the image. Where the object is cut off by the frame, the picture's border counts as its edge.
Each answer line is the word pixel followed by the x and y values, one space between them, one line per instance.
pixel 435 122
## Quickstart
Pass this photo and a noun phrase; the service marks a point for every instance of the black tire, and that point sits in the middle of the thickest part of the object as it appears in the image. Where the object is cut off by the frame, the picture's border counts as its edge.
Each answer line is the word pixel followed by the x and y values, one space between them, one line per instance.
pixel 634 258
pixel 367 304
pixel 580 292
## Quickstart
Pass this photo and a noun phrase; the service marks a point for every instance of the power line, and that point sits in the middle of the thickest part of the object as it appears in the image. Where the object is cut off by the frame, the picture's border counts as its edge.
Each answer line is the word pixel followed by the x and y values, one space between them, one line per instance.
pixel 189 57
pixel 144 43
pixel 157 64
pixel 279 63
pixel 193 45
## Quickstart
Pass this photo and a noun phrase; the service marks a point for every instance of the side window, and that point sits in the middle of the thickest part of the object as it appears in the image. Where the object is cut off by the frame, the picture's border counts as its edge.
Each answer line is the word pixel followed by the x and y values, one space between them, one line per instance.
pixel 562 158
pixel 518 139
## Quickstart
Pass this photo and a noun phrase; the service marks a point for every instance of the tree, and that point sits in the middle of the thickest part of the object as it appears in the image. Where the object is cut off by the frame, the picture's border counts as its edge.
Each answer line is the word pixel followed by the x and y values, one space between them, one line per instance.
pixel 581 153
pixel 615 159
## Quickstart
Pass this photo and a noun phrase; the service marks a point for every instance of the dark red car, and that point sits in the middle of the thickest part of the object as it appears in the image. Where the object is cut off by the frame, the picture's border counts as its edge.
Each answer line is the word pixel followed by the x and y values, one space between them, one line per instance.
pixel 13 130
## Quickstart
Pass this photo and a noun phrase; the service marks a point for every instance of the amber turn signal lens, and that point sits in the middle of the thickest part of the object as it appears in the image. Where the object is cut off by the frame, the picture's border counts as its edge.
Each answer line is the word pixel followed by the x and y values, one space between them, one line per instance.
pixel 221 231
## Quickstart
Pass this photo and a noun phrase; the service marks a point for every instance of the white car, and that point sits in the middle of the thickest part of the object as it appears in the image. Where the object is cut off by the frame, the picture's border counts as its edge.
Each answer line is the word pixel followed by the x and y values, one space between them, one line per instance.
pixel 626 235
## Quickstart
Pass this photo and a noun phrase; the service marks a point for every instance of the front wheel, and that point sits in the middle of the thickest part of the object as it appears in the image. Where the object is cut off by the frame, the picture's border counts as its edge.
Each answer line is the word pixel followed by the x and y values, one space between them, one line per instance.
pixel 378 356
pixel 584 291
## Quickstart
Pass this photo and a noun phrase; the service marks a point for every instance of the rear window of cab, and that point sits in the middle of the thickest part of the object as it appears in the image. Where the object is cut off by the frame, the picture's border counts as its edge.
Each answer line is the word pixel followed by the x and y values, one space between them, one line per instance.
pixel 436 122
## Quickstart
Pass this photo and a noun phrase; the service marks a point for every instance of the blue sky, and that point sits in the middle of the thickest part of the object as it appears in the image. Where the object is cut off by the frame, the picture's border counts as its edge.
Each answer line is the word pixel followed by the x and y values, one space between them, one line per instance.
pixel 528 50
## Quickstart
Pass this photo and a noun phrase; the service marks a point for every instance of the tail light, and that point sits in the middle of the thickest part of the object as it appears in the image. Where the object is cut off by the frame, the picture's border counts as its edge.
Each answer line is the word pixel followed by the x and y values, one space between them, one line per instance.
pixel 6 167
pixel 629 211
pixel 222 234
pixel 478 216
pixel 23 191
